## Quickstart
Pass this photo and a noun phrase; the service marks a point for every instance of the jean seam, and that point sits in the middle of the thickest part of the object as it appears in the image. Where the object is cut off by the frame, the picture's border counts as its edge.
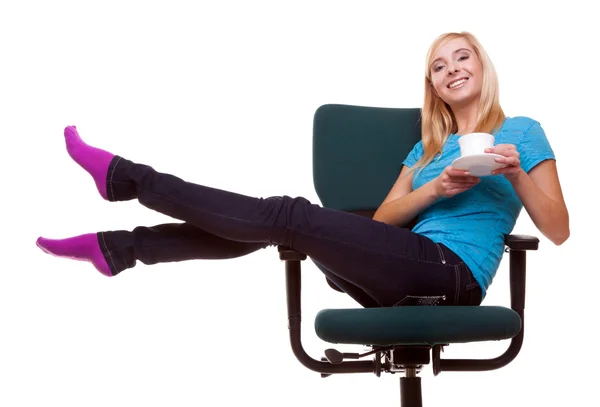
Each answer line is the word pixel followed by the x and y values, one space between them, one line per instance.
pixel 456 295
pixel 442 257
pixel 472 285
pixel 396 255
pixel 108 252
pixel 110 181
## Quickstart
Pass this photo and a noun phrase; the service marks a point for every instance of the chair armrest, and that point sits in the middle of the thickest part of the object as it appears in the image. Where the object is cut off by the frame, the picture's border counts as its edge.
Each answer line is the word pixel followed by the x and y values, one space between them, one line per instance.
pixel 518 244
pixel 521 242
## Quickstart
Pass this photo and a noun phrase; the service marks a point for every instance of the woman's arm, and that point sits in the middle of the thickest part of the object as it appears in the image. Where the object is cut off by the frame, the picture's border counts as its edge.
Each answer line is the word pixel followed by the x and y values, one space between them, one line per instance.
pixel 539 191
pixel 402 204
pixel 542 197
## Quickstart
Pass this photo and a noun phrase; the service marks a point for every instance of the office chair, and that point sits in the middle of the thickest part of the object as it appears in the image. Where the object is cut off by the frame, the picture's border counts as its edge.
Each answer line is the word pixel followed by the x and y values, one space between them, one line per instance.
pixel 357 156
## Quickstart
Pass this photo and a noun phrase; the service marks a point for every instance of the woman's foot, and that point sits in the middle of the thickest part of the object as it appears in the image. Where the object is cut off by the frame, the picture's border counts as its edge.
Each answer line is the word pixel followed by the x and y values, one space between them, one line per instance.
pixel 94 160
pixel 84 248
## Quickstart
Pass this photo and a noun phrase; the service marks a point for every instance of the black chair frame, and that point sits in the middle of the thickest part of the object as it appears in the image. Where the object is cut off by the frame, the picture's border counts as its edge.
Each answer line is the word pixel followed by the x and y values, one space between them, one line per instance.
pixel 408 360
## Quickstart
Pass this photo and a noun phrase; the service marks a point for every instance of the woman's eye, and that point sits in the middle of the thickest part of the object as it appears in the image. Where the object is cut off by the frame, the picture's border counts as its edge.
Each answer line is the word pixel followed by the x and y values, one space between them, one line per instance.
pixel 463 58
pixel 437 68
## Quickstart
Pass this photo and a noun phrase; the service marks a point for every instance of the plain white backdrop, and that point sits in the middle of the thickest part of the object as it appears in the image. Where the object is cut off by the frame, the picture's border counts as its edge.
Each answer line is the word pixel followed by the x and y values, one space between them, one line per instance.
pixel 223 94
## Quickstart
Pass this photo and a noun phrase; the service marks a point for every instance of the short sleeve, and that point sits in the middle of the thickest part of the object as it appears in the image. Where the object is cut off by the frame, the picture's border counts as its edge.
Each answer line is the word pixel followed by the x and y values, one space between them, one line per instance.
pixel 414 155
pixel 534 147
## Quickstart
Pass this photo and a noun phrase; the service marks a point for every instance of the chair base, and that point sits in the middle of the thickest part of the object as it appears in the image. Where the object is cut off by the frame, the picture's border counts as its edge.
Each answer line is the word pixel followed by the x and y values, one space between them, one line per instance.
pixel 410 390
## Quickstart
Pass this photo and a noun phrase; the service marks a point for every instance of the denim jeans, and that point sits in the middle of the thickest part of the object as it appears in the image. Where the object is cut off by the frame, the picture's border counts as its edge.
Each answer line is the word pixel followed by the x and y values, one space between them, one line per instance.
pixel 375 263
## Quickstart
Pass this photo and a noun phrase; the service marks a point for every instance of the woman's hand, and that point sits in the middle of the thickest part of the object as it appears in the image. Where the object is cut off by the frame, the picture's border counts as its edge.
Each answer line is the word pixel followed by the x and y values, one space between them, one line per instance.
pixel 452 182
pixel 511 159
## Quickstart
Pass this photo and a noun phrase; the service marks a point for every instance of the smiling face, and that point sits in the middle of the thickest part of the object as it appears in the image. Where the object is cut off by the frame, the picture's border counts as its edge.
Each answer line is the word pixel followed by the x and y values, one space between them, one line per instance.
pixel 456 73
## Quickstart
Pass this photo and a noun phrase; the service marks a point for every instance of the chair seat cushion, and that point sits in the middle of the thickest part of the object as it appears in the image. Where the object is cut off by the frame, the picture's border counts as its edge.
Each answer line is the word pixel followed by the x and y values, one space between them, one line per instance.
pixel 417 325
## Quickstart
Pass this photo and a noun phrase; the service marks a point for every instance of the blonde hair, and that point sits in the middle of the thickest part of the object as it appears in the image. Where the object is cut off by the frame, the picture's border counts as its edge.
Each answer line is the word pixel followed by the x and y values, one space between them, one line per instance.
pixel 437 119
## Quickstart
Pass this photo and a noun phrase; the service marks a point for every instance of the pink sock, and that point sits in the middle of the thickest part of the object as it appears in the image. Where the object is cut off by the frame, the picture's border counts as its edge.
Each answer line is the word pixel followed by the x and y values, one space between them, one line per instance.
pixel 94 160
pixel 83 247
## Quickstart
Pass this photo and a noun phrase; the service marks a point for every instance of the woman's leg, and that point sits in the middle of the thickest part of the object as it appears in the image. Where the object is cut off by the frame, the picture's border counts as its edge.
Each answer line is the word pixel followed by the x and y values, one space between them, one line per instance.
pixel 166 243
pixel 357 293
pixel 175 242
pixel 388 263
pixel 114 251
pixel 119 250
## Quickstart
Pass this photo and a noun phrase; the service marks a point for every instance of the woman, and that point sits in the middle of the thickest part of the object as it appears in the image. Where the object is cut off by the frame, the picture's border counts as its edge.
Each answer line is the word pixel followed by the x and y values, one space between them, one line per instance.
pixel 448 258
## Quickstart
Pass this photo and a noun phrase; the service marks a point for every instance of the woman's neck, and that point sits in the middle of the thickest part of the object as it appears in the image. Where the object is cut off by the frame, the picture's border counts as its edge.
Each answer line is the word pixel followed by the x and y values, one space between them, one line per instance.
pixel 466 118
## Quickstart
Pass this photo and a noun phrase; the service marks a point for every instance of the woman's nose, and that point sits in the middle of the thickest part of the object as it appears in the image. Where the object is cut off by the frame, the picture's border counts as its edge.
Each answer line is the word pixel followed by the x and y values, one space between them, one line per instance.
pixel 452 69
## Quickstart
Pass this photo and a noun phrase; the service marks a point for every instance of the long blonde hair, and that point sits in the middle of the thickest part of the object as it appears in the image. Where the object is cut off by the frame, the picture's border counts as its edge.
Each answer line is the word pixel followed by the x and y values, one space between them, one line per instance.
pixel 437 119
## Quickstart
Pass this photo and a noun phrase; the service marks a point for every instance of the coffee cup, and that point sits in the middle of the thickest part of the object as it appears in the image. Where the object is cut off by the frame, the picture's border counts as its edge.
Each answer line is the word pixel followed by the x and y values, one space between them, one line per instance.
pixel 475 143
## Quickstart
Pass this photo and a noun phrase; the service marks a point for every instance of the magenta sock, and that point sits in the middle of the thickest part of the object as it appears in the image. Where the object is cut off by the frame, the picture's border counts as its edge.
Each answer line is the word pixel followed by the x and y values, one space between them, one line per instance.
pixel 94 160
pixel 83 247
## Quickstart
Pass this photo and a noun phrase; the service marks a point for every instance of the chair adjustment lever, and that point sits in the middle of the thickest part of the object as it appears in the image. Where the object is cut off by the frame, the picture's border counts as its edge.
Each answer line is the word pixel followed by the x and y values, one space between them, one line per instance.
pixel 336 357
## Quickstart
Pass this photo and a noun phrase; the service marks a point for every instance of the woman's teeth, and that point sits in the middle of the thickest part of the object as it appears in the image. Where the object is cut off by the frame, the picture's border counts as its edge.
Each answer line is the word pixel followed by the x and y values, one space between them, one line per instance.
pixel 456 84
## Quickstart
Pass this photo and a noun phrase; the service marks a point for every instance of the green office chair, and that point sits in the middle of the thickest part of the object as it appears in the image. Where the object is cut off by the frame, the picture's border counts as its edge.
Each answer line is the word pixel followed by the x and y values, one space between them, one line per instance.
pixel 357 156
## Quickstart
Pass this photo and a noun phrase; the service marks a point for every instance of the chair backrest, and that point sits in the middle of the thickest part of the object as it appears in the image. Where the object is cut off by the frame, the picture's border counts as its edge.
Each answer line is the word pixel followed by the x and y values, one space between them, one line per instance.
pixel 358 153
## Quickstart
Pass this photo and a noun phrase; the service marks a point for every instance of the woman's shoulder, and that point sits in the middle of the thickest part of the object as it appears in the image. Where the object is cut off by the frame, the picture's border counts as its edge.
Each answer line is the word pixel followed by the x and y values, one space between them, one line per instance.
pixel 418 146
pixel 524 132
pixel 519 124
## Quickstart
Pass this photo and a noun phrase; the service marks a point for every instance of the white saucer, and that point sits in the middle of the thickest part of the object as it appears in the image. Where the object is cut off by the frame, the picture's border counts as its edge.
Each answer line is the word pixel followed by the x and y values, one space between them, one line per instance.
pixel 479 165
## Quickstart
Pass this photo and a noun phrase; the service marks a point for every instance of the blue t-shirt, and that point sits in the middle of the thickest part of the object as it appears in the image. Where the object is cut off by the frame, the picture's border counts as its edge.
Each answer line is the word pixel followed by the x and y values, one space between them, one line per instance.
pixel 473 223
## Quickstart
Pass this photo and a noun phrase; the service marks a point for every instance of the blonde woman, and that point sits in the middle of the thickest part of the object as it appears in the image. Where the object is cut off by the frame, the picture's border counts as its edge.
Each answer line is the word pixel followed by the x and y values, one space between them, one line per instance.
pixel 448 258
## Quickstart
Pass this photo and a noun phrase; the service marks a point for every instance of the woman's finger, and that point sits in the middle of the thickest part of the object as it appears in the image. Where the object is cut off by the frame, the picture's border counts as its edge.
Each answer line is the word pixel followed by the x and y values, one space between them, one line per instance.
pixel 459 185
pixel 507 170
pixel 502 149
pixel 456 173
pixel 466 178
pixel 512 161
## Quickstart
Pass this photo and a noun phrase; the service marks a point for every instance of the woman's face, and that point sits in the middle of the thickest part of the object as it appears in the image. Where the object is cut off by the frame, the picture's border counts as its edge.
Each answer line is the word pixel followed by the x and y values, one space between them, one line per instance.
pixel 456 73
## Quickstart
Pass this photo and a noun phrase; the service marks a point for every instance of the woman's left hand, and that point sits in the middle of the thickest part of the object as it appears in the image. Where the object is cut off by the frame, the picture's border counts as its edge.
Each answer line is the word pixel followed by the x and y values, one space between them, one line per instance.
pixel 511 160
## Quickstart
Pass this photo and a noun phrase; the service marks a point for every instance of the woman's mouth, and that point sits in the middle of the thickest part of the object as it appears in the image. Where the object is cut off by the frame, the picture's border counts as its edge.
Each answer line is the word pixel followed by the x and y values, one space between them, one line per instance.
pixel 457 83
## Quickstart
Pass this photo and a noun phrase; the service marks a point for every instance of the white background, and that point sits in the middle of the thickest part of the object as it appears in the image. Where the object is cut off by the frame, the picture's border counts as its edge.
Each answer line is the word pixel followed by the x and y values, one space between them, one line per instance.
pixel 223 93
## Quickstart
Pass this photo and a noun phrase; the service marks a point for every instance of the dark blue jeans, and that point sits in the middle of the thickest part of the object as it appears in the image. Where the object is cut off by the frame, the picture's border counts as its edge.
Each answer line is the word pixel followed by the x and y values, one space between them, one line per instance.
pixel 375 263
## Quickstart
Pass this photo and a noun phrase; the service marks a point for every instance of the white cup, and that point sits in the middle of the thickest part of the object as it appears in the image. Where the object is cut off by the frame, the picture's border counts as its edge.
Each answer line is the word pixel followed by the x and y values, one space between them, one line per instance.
pixel 475 143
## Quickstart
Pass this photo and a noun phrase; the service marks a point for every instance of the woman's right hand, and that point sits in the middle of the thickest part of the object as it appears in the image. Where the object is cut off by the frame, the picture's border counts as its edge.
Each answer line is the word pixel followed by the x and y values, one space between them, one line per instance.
pixel 452 182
